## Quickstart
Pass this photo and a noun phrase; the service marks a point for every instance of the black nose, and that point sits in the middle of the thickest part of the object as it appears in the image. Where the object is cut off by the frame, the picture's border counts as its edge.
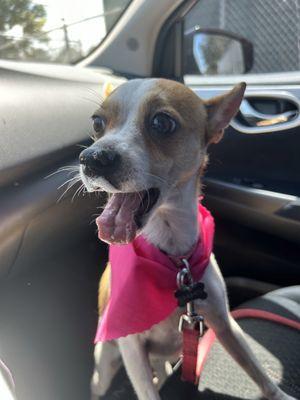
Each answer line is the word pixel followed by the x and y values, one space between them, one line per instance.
pixel 99 162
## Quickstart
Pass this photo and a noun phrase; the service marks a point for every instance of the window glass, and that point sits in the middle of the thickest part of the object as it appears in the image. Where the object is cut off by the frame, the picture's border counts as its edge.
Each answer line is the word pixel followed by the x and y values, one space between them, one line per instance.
pixel 59 31
pixel 273 27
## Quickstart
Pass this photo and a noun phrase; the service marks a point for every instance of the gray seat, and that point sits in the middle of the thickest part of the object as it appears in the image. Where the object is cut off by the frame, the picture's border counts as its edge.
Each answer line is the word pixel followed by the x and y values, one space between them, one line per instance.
pixel 284 302
pixel 7 387
pixel 276 346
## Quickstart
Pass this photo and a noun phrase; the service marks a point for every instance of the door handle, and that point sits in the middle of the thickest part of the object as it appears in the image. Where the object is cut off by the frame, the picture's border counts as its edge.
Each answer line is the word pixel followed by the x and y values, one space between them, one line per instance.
pixel 250 120
pixel 256 118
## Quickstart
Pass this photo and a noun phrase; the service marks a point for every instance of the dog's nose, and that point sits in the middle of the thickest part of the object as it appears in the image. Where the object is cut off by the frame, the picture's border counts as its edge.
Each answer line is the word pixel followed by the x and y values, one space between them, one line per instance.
pixel 99 162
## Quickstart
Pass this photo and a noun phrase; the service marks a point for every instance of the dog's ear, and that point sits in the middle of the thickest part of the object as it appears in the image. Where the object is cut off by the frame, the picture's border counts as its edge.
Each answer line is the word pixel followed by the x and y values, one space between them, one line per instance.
pixel 107 88
pixel 220 110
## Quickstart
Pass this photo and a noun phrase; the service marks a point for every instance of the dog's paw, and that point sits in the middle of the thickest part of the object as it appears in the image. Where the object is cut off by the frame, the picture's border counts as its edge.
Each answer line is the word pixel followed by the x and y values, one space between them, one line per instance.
pixel 280 395
pixel 286 397
pixel 98 386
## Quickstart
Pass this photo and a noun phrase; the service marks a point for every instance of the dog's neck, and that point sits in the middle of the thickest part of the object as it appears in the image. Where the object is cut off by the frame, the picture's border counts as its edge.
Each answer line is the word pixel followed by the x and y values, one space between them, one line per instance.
pixel 174 226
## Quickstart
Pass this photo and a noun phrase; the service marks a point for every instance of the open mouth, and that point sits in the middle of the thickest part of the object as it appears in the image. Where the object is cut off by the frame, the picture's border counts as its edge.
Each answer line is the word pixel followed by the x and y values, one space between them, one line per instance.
pixel 124 214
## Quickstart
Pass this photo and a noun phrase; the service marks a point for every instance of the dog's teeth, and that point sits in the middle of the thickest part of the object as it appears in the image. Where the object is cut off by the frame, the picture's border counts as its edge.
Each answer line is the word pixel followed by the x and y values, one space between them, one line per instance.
pixel 155 380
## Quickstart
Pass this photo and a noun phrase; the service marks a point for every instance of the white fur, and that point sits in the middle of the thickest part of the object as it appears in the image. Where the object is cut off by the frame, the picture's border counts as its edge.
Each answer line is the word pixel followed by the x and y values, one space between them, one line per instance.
pixel 172 227
pixel 165 336
pixel 216 314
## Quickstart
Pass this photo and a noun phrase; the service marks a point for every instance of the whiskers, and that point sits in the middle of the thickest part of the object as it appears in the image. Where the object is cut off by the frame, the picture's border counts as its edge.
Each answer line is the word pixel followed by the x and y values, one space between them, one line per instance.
pixel 96 95
pixel 73 178
pixel 156 178
pixel 67 168
pixel 81 190
pixel 70 183
pixel 148 198
pixel 105 196
pixel 168 186
pixel 95 98
pixel 82 146
pixel 93 136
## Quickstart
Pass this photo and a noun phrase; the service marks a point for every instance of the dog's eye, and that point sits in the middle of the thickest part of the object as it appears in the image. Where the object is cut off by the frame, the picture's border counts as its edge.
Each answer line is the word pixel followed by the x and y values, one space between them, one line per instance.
pixel 162 123
pixel 98 124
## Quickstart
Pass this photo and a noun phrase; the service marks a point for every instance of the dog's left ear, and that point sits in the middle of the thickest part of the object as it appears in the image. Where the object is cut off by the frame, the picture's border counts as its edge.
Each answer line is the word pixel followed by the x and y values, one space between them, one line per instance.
pixel 220 110
pixel 107 89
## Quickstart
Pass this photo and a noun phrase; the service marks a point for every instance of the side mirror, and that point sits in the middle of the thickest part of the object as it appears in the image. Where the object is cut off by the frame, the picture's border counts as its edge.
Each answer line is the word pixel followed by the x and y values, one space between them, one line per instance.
pixel 218 52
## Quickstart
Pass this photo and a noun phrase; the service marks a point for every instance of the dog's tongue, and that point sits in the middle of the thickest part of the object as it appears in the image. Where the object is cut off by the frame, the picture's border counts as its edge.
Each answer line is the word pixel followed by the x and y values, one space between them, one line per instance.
pixel 116 224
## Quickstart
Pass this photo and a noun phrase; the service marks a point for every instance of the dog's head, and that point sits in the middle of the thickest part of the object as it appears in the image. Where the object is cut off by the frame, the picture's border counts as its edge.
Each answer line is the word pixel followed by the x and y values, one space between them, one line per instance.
pixel 151 136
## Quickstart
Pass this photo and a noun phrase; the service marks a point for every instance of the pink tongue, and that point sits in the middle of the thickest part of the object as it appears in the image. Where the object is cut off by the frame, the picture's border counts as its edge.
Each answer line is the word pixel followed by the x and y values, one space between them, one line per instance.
pixel 116 223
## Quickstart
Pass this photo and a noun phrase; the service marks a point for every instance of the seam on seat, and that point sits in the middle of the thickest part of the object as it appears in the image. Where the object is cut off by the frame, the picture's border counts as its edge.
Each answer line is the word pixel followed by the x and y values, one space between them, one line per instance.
pixel 209 337
pixel 278 301
pixel 7 376
pixel 290 292
pixel 290 305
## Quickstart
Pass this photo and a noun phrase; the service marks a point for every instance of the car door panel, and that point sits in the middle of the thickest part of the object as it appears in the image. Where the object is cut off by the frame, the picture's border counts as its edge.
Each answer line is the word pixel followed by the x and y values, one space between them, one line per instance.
pixel 44 117
pixel 264 160
pixel 256 208
pixel 36 213
pixel 45 112
pixel 252 186
pixel 49 252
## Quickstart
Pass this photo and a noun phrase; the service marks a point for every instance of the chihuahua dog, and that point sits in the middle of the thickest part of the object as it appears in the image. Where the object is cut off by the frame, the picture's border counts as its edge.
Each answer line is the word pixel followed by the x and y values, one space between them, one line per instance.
pixel 151 139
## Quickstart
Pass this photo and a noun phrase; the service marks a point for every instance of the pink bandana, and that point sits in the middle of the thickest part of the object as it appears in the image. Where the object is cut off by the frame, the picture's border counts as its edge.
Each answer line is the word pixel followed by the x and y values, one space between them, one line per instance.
pixel 143 282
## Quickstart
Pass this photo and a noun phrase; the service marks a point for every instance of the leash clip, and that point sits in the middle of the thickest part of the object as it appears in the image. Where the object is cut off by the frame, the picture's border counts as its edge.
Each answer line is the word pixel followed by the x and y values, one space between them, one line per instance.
pixel 190 318
pixel 191 324
pixel 193 321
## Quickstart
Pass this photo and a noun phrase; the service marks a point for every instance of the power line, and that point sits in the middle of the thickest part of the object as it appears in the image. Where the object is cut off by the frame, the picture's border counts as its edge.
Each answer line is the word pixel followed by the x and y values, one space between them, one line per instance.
pixel 62 27
pixel 31 38
pixel 80 21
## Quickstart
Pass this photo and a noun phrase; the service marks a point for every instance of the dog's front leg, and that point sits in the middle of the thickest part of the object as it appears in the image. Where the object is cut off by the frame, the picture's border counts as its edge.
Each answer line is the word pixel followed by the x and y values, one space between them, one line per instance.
pixel 138 367
pixel 231 336
pixel 107 362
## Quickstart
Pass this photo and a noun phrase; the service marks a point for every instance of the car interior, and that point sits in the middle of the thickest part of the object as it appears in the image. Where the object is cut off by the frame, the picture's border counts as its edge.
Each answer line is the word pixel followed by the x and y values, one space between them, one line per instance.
pixel 50 257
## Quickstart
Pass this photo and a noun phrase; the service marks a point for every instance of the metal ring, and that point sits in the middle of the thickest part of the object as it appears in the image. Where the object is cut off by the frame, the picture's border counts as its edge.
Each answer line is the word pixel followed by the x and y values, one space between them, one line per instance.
pixel 181 277
pixel 187 267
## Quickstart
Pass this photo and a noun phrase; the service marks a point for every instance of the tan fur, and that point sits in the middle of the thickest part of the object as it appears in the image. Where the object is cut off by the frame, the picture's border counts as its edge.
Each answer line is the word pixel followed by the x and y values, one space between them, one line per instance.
pixel 110 112
pixel 179 102
pixel 104 289
pixel 220 110
pixel 177 160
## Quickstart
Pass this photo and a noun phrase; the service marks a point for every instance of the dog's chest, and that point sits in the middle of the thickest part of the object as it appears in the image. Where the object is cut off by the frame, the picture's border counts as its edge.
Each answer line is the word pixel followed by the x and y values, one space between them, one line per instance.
pixel 164 338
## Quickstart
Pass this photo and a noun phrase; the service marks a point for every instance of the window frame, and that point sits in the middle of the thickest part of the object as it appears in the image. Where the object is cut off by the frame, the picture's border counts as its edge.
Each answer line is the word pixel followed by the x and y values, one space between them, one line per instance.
pixel 80 60
pixel 172 68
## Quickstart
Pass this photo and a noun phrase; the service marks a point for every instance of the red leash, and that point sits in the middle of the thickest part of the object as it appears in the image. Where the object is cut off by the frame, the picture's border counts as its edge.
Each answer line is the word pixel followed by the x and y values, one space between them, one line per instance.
pixel 209 338
pixel 190 324
pixel 190 355
pixel 195 352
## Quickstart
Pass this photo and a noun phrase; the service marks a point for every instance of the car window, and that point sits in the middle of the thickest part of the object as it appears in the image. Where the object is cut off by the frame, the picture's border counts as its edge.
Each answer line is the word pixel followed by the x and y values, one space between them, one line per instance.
pixel 273 27
pixel 58 31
